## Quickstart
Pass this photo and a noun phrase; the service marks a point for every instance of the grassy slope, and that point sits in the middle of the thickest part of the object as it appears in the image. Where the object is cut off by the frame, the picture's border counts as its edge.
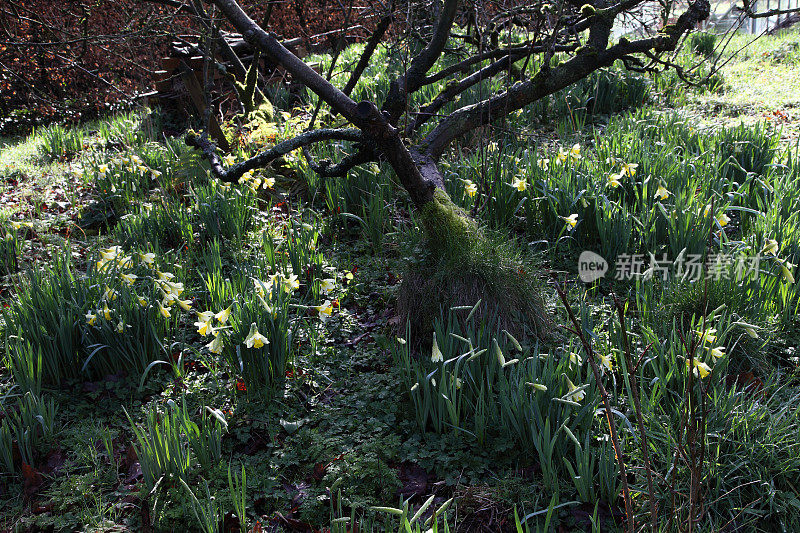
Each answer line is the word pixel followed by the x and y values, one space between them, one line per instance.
pixel 351 427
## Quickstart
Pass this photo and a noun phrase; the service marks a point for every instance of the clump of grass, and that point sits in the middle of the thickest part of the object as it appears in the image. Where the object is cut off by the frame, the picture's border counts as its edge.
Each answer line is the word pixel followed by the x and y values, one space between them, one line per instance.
pixel 26 429
pixel 10 247
pixel 164 226
pixel 109 320
pixel 58 143
pixel 462 263
pixel 703 43
pixel 224 213
pixel 170 440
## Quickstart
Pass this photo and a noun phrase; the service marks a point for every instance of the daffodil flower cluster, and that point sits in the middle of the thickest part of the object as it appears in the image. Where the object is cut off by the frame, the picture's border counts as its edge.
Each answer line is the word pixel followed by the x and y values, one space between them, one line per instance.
pixel 254 182
pixel 707 340
pixel 115 261
pixel 206 327
pixel 132 164
pixel 626 170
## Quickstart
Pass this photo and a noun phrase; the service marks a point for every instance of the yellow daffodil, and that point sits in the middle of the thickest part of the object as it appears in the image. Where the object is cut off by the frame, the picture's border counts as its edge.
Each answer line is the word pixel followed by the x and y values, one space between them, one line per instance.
pixel 708 336
pixel 229 159
pixel 562 156
pixel 613 180
pixel 217 344
pixel 700 368
pixel 261 287
pixel 129 279
pixel 148 258
pixel 470 189
pixel 142 301
pixel 120 327
pixel 571 221
pixel 707 210
pixel 164 276
pixel 186 305
pixel 325 310
pixel 629 169
pixel 107 255
pixel 662 193
pixel 543 163
pixel 222 316
pixel 606 362
pixel 173 288
pixel 205 327
pixel 106 312
pixel 770 247
pixel 268 182
pixel 575 394
pixel 723 220
pixel 519 184
pixel 255 339
pixel 247 176
pixel 125 262
pixel 165 311
pixel 575 152
pixel 102 169
pixel 155 174
pixel 109 294
pixel 575 359
pixel 717 352
pixel 436 353
pixel 290 283
pixel 91 318
pixel 327 285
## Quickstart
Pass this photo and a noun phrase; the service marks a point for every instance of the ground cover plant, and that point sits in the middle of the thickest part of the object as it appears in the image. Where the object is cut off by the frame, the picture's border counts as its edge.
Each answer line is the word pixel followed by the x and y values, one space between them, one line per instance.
pixel 191 344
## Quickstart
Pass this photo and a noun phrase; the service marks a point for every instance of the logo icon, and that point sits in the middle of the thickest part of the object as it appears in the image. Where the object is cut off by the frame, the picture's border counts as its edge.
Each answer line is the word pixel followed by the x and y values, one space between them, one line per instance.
pixel 591 266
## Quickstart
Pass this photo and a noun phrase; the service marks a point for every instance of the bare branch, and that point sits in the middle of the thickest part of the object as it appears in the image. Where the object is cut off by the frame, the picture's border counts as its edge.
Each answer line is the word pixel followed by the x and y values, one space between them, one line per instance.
pixel 747 8
pixel 266 157
pixel 326 170
pixel 549 81
pixel 369 49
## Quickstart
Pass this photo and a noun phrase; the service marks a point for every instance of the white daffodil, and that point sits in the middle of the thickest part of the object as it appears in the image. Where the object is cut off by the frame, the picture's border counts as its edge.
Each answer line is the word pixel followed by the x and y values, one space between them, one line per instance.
pixel 662 193
pixel 470 189
pixel 254 338
pixel 325 310
pixel 436 353
pixel 217 344
pixel 519 184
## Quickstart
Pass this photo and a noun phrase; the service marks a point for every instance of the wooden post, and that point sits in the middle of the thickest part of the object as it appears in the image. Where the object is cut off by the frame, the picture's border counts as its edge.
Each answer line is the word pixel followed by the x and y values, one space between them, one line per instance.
pixel 196 93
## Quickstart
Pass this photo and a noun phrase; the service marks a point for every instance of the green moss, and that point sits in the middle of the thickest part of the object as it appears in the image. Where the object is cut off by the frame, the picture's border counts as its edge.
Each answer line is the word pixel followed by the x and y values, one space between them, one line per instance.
pixel 449 229
pixel 462 263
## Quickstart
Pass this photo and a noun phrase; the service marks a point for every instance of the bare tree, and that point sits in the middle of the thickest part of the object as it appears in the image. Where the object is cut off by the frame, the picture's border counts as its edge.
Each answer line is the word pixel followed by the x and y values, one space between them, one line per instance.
pixel 390 130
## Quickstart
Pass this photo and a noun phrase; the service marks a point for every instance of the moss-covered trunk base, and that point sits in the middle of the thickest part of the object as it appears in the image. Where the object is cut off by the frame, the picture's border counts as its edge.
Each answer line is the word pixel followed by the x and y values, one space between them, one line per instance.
pixel 464 263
